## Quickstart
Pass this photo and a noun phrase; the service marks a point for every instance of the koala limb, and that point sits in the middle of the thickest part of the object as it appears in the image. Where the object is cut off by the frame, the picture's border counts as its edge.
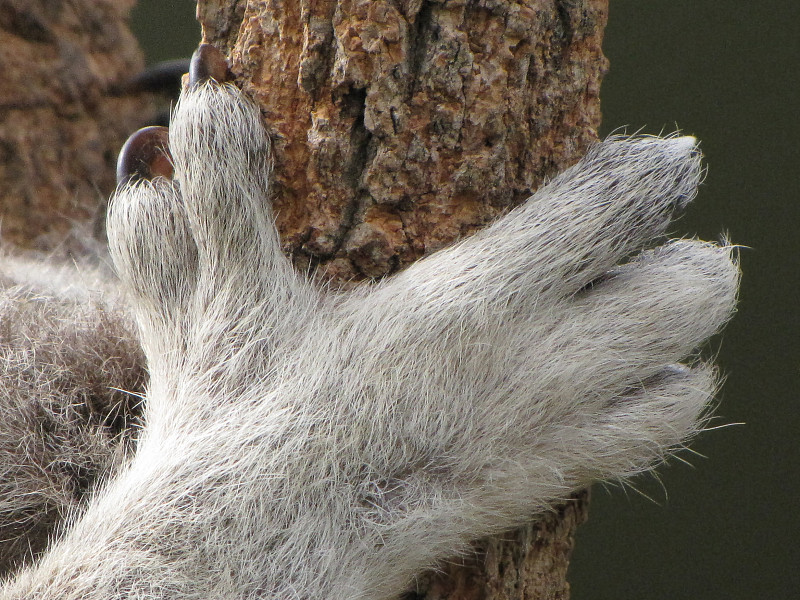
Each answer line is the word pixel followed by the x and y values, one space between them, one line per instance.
pixel 303 444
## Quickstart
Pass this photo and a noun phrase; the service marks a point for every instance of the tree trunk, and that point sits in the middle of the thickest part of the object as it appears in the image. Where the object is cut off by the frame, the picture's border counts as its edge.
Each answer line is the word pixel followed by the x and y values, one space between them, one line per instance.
pixel 400 126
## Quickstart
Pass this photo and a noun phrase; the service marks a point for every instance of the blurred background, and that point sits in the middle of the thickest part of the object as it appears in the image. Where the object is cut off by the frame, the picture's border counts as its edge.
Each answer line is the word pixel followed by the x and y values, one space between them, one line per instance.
pixel 726 527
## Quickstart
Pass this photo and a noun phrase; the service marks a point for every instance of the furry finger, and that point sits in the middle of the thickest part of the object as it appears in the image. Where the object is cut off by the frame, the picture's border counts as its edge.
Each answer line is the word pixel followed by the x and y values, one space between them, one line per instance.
pixel 222 162
pixel 247 289
pixel 155 256
pixel 641 428
pixel 656 310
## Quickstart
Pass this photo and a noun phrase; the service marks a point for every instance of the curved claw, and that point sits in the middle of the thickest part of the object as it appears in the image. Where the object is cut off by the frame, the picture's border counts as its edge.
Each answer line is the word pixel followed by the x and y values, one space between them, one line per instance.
pixel 208 63
pixel 145 156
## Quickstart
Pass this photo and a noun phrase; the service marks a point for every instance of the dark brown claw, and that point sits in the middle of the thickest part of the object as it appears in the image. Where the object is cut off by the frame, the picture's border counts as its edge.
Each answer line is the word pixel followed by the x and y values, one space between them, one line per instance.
pixel 208 63
pixel 145 156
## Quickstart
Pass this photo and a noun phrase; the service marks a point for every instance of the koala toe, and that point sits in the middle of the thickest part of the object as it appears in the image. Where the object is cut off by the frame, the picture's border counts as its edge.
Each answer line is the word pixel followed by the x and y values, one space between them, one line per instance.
pixel 221 154
pixel 155 256
pixel 653 311
pixel 656 417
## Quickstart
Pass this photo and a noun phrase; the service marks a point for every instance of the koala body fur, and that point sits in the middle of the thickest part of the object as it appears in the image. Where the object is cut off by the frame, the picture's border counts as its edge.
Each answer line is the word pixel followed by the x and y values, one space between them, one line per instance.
pixel 68 350
pixel 300 443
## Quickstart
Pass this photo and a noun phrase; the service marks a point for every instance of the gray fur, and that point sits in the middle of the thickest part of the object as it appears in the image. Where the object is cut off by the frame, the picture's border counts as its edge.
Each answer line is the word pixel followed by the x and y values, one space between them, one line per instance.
pixel 68 349
pixel 307 444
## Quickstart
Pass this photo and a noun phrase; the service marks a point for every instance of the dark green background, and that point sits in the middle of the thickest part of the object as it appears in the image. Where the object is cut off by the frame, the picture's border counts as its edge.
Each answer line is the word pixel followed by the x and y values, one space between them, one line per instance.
pixel 727 72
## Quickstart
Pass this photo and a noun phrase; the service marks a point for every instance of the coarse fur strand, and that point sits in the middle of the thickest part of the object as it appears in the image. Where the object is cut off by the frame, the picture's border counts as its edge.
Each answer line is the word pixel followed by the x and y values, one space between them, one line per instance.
pixel 307 444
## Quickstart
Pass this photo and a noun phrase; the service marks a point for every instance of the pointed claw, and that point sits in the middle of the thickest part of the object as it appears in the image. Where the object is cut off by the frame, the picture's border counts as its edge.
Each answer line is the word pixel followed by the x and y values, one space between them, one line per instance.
pixel 208 63
pixel 145 156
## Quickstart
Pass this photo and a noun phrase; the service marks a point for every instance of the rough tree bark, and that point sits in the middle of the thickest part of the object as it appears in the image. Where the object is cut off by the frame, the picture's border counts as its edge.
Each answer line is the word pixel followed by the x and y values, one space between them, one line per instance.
pixel 399 126
pixel 402 125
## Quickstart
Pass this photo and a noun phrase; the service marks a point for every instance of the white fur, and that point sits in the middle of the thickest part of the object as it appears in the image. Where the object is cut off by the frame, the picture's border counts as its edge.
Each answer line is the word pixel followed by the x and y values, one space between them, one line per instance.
pixel 301 444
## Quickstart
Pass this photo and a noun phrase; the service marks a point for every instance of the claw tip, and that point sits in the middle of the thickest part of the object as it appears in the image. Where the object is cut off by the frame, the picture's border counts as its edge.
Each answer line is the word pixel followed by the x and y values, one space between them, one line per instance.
pixel 208 63
pixel 145 156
